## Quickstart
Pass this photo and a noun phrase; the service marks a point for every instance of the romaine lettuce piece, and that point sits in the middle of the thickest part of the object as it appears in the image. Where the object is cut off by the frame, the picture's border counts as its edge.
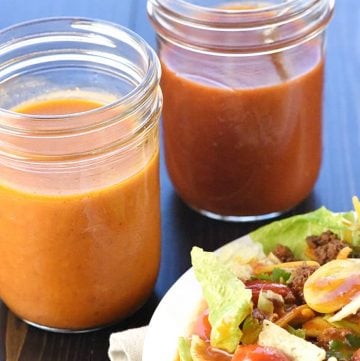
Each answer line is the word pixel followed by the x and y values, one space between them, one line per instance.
pixel 239 254
pixel 228 300
pixel 184 349
pixel 293 231
pixel 198 349
pixel 353 224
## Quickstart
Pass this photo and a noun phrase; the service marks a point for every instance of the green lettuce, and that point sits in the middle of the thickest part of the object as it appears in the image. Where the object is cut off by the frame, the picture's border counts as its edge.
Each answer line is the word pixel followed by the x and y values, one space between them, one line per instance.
pixel 293 231
pixel 184 349
pixel 228 300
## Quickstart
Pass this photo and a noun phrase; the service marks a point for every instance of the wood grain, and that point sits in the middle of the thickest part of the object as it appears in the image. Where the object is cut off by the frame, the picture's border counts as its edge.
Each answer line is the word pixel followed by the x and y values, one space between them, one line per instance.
pixel 181 227
pixel 16 332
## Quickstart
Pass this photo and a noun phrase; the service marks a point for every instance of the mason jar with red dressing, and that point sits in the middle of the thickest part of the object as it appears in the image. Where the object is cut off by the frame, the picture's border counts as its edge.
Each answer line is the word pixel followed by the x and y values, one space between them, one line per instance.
pixel 242 84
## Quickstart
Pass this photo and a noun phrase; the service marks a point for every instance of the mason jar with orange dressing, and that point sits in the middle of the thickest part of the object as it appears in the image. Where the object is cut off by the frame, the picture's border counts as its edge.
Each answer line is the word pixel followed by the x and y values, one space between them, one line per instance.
pixel 79 172
pixel 242 117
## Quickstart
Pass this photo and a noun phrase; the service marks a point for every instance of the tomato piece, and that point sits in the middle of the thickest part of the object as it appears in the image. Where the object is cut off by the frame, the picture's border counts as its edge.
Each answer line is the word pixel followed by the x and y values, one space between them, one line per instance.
pixel 259 353
pixel 202 326
pixel 257 285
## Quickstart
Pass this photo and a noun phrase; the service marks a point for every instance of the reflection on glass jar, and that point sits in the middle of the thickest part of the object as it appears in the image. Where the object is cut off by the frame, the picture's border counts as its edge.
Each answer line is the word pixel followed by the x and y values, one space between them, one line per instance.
pixel 79 180
pixel 242 84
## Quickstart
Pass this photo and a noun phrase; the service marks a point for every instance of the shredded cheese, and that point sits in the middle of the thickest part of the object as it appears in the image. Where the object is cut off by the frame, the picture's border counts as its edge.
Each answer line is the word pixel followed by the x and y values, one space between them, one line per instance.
pixel 344 253
pixel 286 265
pixel 350 309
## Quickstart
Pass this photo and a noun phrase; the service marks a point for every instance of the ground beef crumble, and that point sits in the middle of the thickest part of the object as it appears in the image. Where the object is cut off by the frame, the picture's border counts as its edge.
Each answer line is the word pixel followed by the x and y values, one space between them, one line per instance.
pixel 258 315
pixel 298 278
pixel 283 253
pixel 325 247
pixel 331 334
pixel 355 318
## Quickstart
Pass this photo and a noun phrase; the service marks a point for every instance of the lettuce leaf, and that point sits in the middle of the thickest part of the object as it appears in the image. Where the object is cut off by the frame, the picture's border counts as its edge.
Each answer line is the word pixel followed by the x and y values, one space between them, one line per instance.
pixel 238 256
pixel 228 300
pixel 184 349
pixel 293 231
pixel 353 223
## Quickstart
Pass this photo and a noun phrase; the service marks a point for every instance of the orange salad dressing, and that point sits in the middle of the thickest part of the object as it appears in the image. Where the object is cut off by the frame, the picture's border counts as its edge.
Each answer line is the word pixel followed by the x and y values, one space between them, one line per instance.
pixel 77 261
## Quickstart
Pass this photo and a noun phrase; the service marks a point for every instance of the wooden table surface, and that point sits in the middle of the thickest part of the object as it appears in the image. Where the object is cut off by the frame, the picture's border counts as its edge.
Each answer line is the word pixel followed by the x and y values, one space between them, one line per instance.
pixel 182 228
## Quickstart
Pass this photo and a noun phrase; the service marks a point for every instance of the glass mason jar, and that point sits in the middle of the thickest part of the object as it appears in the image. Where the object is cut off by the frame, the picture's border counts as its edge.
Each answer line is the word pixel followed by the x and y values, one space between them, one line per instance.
pixel 79 181
pixel 242 84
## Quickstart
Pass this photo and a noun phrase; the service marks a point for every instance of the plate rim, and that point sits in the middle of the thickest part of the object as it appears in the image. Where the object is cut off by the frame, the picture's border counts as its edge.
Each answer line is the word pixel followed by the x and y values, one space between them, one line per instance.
pixel 190 305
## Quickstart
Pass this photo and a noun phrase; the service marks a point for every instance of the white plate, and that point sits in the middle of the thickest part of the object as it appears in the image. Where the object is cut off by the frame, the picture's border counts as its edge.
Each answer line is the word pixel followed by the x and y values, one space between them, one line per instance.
pixel 174 314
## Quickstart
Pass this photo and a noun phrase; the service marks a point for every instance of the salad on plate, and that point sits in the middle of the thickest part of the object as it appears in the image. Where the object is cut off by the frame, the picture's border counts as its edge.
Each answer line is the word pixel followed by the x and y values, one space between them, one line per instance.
pixel 289 291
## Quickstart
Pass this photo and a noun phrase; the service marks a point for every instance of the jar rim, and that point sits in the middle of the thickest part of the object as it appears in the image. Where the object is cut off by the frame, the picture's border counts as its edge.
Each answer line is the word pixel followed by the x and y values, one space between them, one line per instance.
pixel 150 79
pixel 181 6
pixel 173 21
